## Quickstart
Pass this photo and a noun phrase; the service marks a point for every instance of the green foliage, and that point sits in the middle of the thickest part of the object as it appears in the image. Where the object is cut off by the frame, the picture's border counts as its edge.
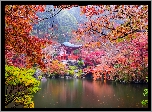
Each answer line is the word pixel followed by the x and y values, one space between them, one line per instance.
pixel 145 102
pixel 145 92
pixel 71 70
pixel 24 84
pixel 116 65
pixel 147 79
pixel 79 73
pixel 120 39
pixel 72 67
pixel 80 63
pixel 40 77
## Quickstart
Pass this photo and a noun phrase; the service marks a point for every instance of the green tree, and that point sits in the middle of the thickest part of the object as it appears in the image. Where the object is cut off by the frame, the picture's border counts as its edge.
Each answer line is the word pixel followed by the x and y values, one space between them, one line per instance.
pixel 20 87
pixel 145 102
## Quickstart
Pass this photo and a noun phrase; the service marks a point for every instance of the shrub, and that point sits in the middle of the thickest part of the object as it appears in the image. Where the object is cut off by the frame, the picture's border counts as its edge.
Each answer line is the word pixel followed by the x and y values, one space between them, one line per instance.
pixel 145 102
pixel 21 86
pixel 57 68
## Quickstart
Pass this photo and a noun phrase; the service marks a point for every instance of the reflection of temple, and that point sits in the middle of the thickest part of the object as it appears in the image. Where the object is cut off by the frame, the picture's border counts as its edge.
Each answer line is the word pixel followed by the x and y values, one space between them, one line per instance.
pixel 67 51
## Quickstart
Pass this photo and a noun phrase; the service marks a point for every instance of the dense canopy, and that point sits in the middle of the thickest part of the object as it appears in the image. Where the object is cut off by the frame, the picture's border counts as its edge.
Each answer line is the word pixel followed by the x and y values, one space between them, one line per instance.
pixel 110 42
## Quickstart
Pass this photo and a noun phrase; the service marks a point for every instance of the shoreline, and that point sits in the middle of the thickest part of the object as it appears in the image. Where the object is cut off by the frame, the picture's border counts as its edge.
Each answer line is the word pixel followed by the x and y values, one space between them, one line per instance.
pixel 122 82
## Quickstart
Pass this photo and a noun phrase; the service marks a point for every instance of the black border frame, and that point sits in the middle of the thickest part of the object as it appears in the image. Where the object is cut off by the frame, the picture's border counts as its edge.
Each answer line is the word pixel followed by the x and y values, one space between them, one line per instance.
pixel 3 3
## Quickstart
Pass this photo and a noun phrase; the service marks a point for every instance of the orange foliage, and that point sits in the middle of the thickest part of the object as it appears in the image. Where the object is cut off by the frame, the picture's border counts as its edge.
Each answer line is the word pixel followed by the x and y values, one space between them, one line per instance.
pixel 56 67
pixel 135 16
pixel 18 24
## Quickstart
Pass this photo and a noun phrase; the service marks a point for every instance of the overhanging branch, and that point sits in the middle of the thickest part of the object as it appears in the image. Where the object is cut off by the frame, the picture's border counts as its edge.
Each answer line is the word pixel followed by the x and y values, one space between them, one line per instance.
pixel 61 8
pixel 130 33
pixel 97 31
pixel 51 16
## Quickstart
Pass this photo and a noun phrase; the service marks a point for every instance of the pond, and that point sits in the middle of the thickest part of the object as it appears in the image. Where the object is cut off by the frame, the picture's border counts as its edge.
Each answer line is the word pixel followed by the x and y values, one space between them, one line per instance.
pixel 83 93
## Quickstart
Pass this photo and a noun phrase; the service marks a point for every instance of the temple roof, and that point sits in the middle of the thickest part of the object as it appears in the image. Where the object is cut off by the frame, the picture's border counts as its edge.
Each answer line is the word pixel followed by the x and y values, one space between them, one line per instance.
pixel 68 44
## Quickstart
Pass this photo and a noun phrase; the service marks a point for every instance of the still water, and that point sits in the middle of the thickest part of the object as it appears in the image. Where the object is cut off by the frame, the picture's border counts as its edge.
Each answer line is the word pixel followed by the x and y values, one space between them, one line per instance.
pixel 82 93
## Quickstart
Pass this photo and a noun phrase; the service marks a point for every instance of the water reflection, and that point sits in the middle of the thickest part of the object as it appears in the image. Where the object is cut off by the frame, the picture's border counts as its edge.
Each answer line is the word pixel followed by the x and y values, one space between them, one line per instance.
pixel 76 93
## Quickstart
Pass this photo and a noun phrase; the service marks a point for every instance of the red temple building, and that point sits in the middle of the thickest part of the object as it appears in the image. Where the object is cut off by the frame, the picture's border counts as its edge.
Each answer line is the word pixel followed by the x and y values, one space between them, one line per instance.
pixel 67 51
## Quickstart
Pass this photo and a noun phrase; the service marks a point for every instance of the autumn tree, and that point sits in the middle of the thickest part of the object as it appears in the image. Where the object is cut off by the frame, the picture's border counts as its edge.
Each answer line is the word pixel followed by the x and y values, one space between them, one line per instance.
pixel 18 24
pixel 122 25
pixel 102 20
pixel 23 51
pixel 20 86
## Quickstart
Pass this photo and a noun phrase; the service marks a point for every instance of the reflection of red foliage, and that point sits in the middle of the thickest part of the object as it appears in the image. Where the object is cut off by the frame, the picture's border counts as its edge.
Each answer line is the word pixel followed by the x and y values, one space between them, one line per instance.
pixel 93 88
